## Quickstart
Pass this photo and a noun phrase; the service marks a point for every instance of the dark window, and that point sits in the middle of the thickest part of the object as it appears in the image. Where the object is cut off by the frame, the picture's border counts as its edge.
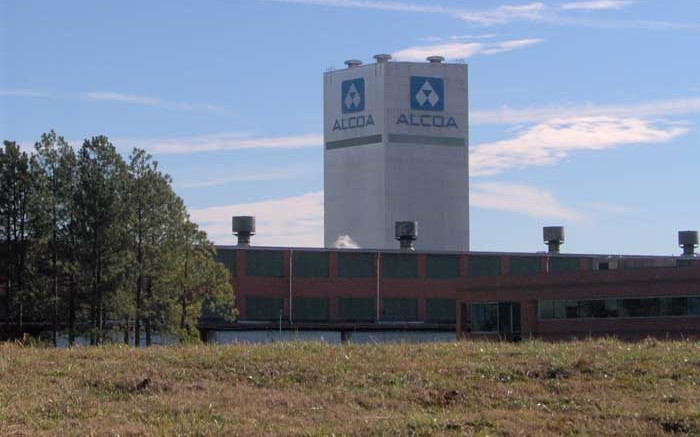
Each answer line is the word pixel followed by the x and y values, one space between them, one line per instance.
pixel 400 309
pixel 484 317
pixel 603 308
pixel 546 309
pixel 441 310
pixel 310 309
pixel 442 266
pixel 397 265
pixel 694 306
pixel 484 266
pixel 604 266
pixel 310 264
pixel 564 264
pixel 227 257
pixel 524 265
pixel 357 309
pixel 673 306
pixel 264 263
pixel 263 308
pixel 355 265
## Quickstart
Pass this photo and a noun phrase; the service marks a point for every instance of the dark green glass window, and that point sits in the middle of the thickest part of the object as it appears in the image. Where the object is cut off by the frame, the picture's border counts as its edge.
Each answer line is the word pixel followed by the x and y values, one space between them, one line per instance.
pixel 605 308
pixel 524 265
pixel 310 309
pixel 442 266
pixel 357 309
pixel 440 310
pixel 564 264
pixel 484 317
pixel 264 263
pixel 355 265
pixel 227 257
pixel 263 308
pixel 399 265
pixel 310 264
pixel 400 309
pixel 484 265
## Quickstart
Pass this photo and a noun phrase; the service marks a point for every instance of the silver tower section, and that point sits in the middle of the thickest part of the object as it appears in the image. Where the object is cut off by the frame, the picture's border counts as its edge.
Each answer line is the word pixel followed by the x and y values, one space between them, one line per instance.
pixel 396 143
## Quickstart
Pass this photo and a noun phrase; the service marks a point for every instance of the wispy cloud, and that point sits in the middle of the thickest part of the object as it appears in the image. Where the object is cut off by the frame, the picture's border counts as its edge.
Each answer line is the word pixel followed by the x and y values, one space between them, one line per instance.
pixel 657 108
pixel 459 37
pixel 461 50
pixel 219 142
pixel 597 5
pixel 291 221
pixel 521 199
pixel 537 12
pixel 550 142
pixel 267 174
pixel 113 97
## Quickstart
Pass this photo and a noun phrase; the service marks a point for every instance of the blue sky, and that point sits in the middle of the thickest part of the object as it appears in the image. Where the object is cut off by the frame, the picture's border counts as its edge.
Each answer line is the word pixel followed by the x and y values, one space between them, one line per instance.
pixel 583 113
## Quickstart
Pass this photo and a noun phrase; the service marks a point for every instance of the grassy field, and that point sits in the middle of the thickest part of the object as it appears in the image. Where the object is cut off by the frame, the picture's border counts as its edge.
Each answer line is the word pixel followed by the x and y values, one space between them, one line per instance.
pixel 587 388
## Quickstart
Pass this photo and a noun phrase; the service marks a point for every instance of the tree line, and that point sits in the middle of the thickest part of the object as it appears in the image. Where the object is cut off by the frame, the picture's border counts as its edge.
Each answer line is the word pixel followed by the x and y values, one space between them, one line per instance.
pixel 93 243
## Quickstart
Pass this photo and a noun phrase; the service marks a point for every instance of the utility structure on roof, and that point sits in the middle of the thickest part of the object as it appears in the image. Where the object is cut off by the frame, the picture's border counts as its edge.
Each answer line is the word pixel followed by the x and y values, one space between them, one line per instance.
pixel 396 141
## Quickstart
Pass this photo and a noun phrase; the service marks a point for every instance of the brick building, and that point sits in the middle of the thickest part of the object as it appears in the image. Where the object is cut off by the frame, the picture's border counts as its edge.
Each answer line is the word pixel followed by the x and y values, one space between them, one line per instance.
pixel 475 294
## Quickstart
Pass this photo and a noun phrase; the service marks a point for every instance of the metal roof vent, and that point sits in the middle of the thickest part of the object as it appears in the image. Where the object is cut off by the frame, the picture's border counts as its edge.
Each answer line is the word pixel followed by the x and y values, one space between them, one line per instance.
pixel 406 233
pixel 243 227
pixel 553 237
pixel 352 63
pixel 688 240
pixel 435 59
pixel 382 58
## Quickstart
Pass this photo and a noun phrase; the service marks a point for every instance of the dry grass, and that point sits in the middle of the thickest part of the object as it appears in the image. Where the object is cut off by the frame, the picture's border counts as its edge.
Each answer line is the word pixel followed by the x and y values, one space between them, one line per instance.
pixel 587 388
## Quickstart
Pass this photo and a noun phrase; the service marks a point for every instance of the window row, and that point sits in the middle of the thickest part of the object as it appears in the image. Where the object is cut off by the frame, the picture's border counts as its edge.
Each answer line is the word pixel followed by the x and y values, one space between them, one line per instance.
pixel 394 265
pixel 350 309
pixel 610 308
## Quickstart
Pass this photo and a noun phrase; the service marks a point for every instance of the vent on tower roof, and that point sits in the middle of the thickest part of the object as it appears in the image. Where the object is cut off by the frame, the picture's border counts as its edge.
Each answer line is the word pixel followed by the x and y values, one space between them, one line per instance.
pixel 382 58
pixel 352 63
pixel 688 240
pixel 553 237
pixel 435 59
pixel 406 233
pixel 243 227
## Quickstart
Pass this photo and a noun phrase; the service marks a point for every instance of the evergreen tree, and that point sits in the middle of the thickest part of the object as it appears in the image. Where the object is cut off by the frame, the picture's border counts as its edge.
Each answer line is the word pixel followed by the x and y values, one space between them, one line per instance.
pixel 101 213
pixel 15 197
pixel 54 226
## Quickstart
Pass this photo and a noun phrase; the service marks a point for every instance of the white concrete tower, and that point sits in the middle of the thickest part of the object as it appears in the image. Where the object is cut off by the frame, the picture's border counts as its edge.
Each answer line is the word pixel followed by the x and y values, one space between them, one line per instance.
pixel 395 148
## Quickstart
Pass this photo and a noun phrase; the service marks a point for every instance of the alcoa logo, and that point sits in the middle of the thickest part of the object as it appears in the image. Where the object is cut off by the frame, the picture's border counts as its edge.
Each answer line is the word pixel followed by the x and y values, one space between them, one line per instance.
pixel 353 95
pixel 427 93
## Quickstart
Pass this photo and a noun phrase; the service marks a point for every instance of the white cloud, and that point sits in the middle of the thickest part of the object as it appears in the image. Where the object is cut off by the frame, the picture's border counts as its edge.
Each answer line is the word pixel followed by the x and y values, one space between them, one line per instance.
pixel 521 199
pixel 536 12
pixel 133 99
pixel 504 14
pixel 597 5
pixel 657 108
pixel 549 142
pixel 293 221
pixel 298 221
pixel 461 50
pixel 506 46
pixel 218 142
